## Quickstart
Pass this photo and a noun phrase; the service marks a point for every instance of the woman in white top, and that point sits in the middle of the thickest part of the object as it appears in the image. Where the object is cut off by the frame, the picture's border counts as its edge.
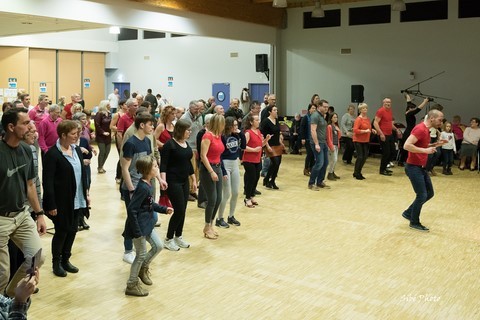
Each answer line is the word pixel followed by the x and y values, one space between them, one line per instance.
pixel 471 136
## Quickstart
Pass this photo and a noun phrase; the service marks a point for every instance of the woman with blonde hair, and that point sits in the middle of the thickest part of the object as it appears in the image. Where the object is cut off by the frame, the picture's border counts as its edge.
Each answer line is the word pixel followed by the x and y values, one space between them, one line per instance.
pixel 211 171
pixel 362 128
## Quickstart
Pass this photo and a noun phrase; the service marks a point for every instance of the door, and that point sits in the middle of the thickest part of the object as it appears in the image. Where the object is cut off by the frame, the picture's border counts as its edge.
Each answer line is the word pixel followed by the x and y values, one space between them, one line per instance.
pixel 123 89
pixel 258 90
pixel 221 92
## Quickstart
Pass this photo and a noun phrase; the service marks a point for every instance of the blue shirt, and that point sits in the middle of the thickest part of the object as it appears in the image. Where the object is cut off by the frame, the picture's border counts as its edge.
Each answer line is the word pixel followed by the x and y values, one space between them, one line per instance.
pixel 76 164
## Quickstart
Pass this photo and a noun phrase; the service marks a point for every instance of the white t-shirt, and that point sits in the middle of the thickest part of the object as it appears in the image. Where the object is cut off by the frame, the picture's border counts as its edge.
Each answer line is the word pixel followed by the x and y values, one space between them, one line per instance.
pixel 113 98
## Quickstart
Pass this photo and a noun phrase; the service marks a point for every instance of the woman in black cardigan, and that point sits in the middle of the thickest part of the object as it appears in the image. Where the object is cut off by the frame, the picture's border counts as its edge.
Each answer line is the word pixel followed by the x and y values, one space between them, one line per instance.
pixel 65 194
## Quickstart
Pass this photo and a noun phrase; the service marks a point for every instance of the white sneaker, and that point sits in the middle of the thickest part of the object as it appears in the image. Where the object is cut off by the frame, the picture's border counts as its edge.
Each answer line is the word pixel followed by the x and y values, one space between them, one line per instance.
pixel 129 257
pixel 181 243
pixel 390 165
pixel 171 245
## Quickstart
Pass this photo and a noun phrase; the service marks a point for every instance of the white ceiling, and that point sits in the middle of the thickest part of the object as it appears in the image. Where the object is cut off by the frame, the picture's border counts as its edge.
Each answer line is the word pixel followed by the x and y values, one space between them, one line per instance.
pixel 19 24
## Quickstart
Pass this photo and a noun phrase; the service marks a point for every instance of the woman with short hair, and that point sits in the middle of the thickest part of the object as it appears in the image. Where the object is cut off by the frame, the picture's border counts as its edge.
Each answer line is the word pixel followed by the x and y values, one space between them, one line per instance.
pixel 471 137
pixel 65 194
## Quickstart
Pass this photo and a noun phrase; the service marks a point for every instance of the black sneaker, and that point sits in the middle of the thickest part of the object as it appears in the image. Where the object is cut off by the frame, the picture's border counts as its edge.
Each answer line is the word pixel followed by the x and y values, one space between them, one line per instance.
pixel 257 193
pixel 221 223
pixel 385 173
pixel 419 227
pixel 232 220
pixel 406 216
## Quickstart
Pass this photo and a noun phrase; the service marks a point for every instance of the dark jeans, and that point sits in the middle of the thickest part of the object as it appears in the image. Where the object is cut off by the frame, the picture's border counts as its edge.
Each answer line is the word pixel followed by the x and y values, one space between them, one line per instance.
pixel 422 185
pixel 273 168
pixel 250 178
pixel 388 148
pixel 447 155
pixel 118 174
pixel 62 241
pixel 349 148
pixel 321 162
pixel 362 155
pixel 309 159
pixel 178 194
pixel 127 242
pixel 295 142
pixel 213 190
pixel 433 159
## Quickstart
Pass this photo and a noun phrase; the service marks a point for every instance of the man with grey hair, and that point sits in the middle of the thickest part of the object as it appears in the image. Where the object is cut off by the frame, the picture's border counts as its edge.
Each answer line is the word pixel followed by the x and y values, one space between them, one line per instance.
pixel 196 122
pixel 419 147
pixel 47 129
pixel 128 118
pixel 40 110
pixel 219 110
pixel 234 110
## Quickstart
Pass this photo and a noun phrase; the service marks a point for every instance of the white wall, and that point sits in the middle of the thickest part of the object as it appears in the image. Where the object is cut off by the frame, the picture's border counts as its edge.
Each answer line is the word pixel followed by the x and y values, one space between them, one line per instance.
pixel 381 60
pixel 194 63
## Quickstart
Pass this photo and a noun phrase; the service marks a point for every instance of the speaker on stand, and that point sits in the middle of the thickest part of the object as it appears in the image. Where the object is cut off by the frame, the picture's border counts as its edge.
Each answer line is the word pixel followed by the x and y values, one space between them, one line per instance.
pixel 261 64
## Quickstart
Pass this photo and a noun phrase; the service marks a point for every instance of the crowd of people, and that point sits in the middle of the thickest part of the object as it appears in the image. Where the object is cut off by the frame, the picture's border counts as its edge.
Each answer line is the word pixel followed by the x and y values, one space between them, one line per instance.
pixel 192 154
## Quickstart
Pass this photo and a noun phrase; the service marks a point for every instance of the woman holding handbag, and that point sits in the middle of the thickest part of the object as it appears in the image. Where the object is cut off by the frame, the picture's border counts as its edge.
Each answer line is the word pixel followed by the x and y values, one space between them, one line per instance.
pixel 274 148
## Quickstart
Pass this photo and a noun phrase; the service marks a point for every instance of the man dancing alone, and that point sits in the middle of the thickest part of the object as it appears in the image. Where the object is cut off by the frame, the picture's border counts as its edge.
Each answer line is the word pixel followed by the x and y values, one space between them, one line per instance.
pixel 419 147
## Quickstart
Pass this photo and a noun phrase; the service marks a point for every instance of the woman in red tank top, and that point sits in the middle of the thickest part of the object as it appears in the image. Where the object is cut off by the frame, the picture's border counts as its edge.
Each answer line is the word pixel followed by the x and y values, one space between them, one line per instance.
pixel 251 160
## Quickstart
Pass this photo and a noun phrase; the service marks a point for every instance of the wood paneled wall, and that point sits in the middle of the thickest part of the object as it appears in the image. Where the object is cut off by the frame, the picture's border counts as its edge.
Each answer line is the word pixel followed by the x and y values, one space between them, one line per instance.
pixel 13 64
pixel 43 68
pixel 63 72
pixel 94 70
pixel 69 73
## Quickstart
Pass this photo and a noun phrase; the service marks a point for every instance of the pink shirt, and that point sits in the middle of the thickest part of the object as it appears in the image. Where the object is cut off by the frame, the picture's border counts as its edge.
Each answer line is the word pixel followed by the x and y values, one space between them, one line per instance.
pixel 38 115
pixel 47 133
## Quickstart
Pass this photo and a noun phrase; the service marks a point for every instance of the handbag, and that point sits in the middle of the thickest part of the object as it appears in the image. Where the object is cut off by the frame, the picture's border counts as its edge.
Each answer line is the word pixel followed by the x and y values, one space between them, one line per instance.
pixel 164 201
pixel 276 151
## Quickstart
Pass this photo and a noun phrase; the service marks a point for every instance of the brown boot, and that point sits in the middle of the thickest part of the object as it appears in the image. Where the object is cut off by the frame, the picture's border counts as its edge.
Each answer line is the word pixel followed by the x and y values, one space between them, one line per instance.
pixel 144 275
pixel 135 289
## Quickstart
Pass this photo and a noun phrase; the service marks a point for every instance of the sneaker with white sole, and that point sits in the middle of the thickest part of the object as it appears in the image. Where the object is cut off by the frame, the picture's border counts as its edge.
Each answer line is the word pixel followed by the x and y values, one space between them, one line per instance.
pixel 171 245
pixel 181 243
pixel 129 257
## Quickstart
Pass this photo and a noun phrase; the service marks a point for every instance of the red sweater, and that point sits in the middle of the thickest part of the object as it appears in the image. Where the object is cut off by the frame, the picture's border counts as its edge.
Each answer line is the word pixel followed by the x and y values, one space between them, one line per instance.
pixel 359 125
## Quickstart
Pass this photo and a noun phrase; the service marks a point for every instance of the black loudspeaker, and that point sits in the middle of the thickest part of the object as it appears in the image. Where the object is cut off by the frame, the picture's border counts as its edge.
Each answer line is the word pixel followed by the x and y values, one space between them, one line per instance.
pixel 261 62
pixel 357 93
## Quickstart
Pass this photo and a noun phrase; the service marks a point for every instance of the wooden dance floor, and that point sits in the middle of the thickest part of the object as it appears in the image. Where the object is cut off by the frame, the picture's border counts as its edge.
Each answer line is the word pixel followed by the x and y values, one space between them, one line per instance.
pixel 343 253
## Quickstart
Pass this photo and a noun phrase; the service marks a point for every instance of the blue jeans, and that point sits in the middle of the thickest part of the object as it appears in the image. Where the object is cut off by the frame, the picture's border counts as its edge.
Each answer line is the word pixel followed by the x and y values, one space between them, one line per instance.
pixel 265 166
pixel 127 242
pixel 143 258
pixel 422 185
pixel 321 162
pixel 447 158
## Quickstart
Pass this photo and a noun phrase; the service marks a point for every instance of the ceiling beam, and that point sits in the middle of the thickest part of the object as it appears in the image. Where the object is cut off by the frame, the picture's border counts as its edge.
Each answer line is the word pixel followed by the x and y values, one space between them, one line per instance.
pixel 243 10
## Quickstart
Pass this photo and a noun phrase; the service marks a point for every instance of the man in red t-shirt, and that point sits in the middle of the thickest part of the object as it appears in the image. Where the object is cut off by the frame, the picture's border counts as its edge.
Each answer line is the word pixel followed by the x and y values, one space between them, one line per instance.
pixel 419 147
pixel 383 123
pixel 67 110
pixel 127 119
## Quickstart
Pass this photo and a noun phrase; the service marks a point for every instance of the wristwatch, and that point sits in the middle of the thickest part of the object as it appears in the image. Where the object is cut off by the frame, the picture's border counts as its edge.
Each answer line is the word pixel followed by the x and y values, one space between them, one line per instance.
pixel 40 213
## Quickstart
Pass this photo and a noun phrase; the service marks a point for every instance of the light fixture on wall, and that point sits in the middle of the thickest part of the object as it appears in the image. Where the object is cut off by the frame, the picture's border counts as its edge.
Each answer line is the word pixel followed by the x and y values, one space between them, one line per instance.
pixel 114 30
pixel 399 5
pixel 318 11
pixel 280 3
